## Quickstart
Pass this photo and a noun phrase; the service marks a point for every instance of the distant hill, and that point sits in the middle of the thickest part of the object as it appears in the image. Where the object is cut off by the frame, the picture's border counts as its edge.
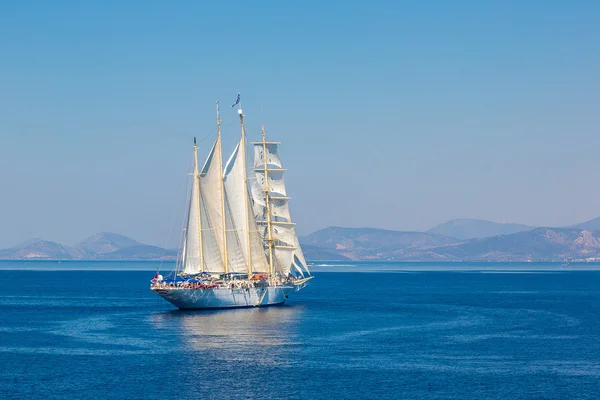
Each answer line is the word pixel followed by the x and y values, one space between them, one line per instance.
pixel 372 244
pixel 103 246
pixel 580 242
pixel 591 225
pixel 106 242
pixel 321 254
pixel 140 252
pixel 541 244
pixel 470 228
pixel 38 249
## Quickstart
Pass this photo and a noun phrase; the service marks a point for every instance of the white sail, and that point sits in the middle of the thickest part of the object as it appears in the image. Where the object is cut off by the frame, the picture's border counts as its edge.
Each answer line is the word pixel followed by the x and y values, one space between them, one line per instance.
pixel 287 254
pixel 232 225
pixel 211 255
pixel 273 160
pixel 258 197
pixel 236 258
pixel 284 234
pixel 257 249
pixel 192 263
pixel 276 183
pixel 283 259
pixel 212 202
pixel 299 260
pixel 242 219
pixel 280 210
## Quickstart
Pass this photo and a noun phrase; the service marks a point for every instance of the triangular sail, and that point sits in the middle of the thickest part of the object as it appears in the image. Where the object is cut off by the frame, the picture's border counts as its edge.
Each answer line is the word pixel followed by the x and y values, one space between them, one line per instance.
pixel 192 253
pixel 235 243
pixel 299 260
pixel 241 219
pixel 212 202
pixel 212 260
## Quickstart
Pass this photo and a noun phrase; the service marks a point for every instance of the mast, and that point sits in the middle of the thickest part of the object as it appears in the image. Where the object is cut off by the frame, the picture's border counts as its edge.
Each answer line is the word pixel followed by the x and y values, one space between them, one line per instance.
pixel 184 235
pixel 243 154
pixel 225 255
pixel 197 203
pixel 269 226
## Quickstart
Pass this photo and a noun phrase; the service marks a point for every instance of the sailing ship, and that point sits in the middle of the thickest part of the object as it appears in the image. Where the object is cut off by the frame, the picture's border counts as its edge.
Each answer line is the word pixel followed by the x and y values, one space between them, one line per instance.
pixel 240 247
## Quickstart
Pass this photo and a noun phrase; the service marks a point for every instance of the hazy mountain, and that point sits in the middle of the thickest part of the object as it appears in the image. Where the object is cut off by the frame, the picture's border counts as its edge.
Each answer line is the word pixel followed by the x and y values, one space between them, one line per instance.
pixel 370 244
pixel 38 249
pixel 140 252
pixel 106 242
pixel 321 254
pixel 336 243
pixel 540 244
pixel 591 225
pixel 97 247
pixel 470 228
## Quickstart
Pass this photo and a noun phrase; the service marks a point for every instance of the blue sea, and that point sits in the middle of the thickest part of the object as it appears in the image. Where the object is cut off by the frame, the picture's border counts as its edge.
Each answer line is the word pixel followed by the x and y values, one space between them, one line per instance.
pixel 84 330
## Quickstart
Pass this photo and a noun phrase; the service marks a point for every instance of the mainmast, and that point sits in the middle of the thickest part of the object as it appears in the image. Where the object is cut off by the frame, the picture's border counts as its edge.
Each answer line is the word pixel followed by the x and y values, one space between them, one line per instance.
pixel 267 204
pixel 246 213
pixel 225 255
pixel 196 201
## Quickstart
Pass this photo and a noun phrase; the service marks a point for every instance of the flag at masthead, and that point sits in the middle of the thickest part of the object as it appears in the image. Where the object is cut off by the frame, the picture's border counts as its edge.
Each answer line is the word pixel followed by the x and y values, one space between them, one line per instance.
pixel 237 101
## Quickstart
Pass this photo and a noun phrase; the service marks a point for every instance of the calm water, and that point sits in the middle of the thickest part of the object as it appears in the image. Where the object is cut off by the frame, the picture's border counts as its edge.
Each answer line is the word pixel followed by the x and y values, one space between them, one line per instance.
pixel 410 335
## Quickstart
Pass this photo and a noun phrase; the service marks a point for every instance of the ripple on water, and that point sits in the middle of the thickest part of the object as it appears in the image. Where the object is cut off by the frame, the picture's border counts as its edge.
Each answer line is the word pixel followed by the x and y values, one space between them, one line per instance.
pixel 428 335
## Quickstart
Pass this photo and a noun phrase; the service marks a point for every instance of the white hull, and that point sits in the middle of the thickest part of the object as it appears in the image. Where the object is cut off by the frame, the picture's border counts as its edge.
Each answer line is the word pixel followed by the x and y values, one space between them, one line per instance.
pixel 225 298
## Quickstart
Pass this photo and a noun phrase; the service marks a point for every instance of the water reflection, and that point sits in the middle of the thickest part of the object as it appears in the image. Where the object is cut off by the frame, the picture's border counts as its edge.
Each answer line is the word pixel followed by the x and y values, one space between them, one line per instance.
pixel 260 334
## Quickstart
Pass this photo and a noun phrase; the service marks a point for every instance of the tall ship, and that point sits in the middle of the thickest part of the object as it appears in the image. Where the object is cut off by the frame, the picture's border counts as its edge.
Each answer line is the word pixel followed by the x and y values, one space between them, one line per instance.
pixel 239 245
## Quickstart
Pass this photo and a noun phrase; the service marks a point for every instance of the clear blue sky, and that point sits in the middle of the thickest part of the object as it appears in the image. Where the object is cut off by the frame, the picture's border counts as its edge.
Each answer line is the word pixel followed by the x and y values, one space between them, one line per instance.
pixel 398 114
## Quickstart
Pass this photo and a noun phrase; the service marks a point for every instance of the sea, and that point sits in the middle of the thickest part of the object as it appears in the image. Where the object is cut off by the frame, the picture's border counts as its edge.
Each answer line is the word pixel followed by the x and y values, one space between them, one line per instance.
pixel 94 330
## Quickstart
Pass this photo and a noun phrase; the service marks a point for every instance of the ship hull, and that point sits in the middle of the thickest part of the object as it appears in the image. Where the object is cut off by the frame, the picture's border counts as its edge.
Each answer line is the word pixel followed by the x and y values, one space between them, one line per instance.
pixel 219 298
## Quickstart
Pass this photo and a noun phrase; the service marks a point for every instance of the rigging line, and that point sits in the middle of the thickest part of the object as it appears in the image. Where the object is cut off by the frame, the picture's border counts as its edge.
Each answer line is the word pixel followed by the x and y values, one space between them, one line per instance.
pixel 206 137
pixel 187 184
pixel 175 212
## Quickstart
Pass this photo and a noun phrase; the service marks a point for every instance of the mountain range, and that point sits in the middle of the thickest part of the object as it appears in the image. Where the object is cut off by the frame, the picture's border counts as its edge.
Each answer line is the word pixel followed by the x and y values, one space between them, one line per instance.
pixel 471 228
pixel 538 244
pixel 102 246
pixel 456 240
pixel 464 239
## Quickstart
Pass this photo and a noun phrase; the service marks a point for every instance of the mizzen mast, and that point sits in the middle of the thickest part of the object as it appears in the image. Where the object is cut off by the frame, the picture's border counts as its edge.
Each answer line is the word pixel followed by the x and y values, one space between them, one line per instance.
pixel 267 204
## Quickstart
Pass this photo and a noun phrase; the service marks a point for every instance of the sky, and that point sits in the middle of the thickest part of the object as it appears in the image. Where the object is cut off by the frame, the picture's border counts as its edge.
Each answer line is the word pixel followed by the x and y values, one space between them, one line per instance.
pixel 397 115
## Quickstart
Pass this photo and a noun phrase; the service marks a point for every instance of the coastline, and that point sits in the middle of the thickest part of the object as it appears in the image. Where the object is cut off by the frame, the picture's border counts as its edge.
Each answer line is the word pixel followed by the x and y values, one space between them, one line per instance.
pixel 315 266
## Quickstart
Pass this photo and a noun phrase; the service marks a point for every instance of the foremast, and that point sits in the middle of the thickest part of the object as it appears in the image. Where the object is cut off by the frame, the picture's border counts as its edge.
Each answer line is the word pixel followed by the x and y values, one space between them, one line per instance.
pixel 192 260
pixel 197 204
pixel 205 242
